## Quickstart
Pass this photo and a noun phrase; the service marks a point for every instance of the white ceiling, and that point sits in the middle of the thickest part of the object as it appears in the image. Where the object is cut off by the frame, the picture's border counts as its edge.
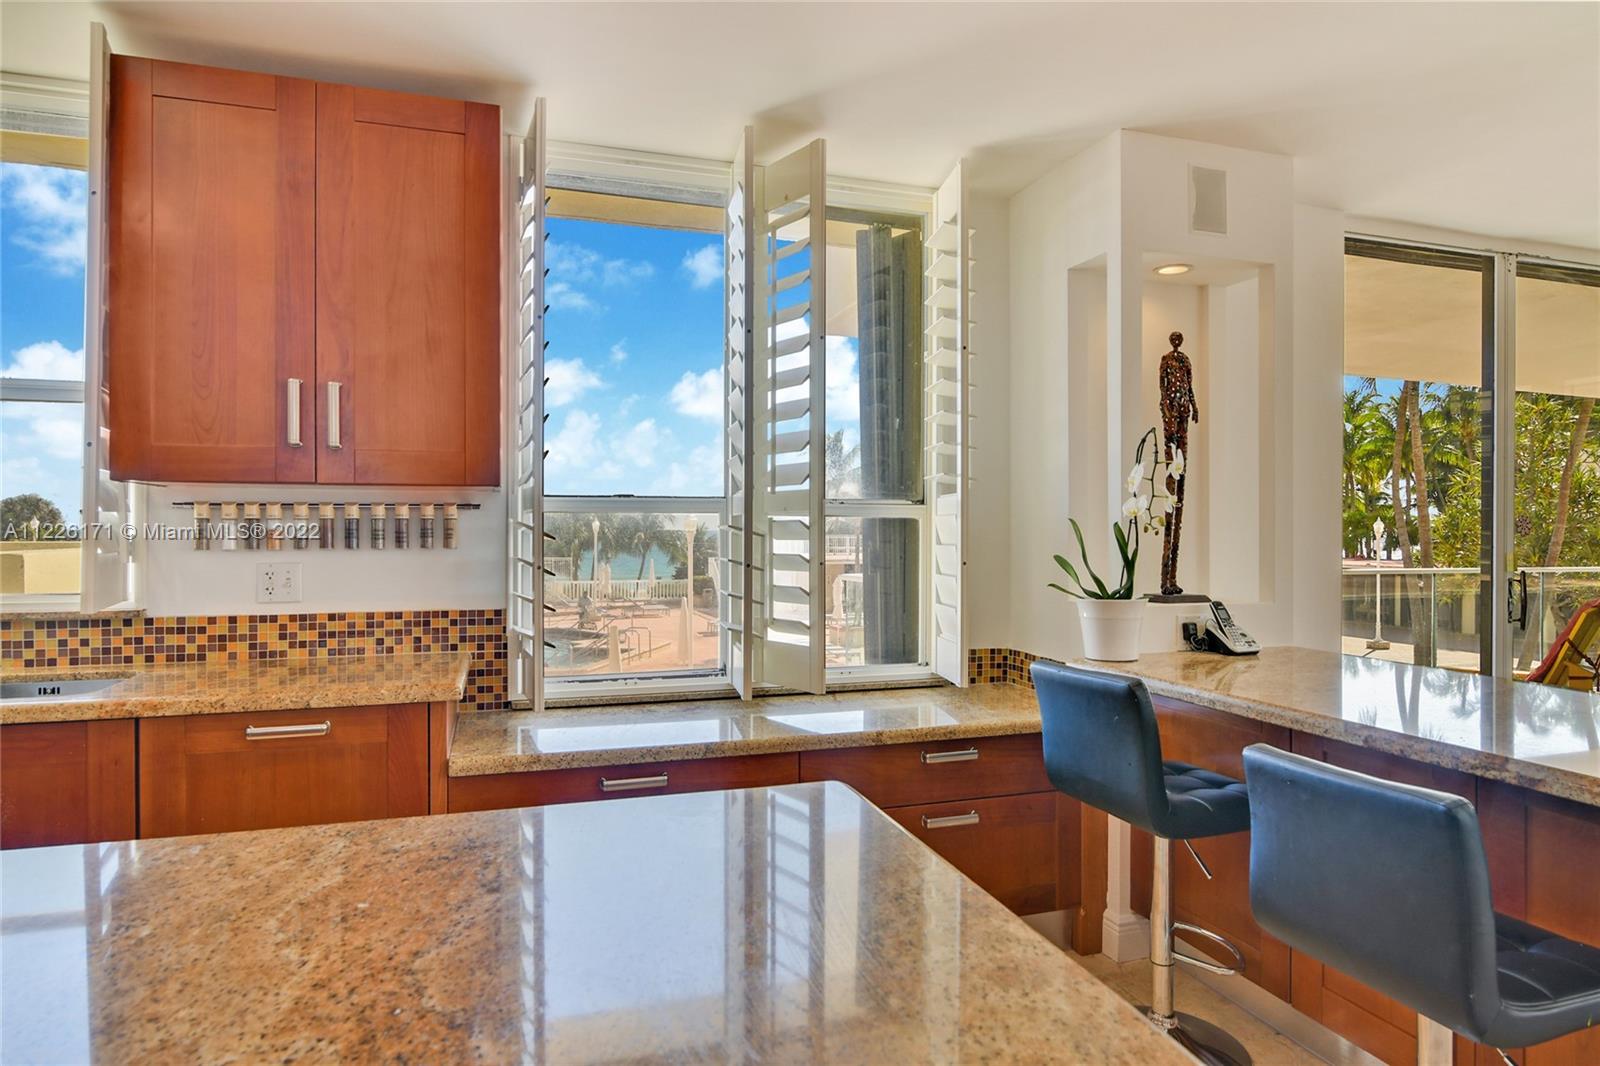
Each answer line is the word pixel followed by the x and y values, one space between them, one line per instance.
pixel 1479 117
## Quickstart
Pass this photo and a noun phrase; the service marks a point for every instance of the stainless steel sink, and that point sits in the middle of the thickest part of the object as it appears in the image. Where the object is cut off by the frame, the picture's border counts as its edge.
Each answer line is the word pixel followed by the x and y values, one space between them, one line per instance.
pixel 46 690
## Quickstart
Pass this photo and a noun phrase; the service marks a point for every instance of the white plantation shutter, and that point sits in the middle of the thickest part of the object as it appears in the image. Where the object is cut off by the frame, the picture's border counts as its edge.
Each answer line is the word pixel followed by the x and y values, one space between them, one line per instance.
pixel 791 244
pixel 525 419
pixel 947 414
pixel 738 577
pixel 107 558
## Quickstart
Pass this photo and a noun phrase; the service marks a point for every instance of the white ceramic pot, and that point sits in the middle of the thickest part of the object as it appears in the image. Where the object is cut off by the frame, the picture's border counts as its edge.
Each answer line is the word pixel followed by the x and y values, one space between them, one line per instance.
pixel 1111 628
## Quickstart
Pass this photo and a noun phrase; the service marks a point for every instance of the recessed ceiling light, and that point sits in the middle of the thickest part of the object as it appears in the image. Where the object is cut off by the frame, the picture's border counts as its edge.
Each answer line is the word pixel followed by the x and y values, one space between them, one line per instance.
pixel 1171 269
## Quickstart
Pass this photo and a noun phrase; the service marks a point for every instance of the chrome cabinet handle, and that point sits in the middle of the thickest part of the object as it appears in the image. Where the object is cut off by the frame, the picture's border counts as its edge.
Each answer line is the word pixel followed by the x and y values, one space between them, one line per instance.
pixel 632 784
pixel 278 732
pixel 294 413
pixel 334 440
pixel 950 821
pixel 963 755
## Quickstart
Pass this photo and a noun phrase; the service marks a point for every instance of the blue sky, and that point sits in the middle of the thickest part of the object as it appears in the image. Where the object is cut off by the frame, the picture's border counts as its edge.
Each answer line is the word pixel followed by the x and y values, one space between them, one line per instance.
pixel 43 217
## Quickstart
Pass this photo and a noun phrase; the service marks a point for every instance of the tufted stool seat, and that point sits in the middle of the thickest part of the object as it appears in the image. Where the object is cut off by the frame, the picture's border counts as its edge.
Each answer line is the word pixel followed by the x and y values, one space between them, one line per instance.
pixel 1101 746
pixel 1414 918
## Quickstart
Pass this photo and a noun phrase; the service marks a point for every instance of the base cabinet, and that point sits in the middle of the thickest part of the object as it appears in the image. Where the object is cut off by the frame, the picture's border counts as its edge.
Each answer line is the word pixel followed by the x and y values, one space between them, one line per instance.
pixel 536 788
pixel 66 783
pixel 1007 844
pixel 226 772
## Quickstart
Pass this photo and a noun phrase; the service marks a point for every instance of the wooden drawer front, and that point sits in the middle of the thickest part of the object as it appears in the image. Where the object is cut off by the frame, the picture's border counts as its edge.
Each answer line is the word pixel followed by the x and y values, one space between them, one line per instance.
pixel 897 775
pixel 66 783
pixel 1008 845
pixel 538 787
pixel 207 774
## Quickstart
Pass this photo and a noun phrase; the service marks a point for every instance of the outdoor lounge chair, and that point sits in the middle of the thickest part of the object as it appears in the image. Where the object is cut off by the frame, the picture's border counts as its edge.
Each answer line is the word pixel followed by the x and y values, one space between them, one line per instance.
pixel 1573 661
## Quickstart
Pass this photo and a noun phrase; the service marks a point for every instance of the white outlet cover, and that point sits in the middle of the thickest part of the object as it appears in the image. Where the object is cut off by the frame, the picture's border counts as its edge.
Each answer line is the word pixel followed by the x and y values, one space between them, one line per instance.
pixel 278 582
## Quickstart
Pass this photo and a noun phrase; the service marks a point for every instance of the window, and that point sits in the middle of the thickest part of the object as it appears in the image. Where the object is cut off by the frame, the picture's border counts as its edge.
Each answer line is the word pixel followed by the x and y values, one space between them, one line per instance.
pixel 43 219
pixel 634 464
pixel 874 385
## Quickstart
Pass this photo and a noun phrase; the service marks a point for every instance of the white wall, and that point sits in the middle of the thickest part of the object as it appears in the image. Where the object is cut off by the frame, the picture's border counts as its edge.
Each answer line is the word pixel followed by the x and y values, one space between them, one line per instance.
pixel 175 579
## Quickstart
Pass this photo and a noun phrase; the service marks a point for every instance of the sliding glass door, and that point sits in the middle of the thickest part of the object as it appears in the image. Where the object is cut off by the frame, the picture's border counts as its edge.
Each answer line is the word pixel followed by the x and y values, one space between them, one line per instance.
pixel 1471 533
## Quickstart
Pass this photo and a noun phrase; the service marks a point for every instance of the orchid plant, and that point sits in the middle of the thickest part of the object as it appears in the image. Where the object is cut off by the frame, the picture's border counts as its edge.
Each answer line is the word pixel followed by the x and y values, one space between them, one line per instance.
pixel 1150 485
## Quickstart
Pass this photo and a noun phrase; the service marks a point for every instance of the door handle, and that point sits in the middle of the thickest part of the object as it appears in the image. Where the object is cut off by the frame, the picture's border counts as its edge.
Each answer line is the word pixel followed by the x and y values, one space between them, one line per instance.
pixel 950 821
pixel 632 784
pixel 963 755
pixel 1517 600
pixel 280 732
pixel 335 441
pixel 294 413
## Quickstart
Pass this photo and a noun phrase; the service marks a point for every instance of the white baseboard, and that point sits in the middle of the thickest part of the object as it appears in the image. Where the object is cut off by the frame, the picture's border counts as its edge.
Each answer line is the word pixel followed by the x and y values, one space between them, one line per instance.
pixel 1125 937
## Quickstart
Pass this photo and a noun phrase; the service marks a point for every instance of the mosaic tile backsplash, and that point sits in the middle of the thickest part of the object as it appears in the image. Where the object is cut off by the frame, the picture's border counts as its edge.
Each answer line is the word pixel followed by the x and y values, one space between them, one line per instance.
pixel 1000 666
pixel 136 640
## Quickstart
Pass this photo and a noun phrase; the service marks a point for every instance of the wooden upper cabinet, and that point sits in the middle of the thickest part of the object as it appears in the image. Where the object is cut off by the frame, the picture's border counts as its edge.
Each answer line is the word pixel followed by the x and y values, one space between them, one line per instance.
pixel 265 230
pixel 408 289
pixel 212 217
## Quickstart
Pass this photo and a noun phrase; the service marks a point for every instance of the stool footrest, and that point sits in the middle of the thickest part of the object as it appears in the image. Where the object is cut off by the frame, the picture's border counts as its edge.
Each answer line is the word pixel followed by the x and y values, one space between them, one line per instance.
pixel 1207 964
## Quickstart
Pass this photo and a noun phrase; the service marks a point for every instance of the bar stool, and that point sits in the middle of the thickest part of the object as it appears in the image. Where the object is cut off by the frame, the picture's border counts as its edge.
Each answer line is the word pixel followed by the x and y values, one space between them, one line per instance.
pixel 1101 746
pixel 1388 884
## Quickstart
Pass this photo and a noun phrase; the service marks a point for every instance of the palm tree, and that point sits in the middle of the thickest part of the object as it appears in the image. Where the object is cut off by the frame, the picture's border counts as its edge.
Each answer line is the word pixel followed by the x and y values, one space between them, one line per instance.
pixel 640 534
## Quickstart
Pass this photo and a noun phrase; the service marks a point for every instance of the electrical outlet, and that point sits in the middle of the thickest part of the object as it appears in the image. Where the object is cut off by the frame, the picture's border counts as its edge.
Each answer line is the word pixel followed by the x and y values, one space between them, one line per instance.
pixel 278 582
pixel 1190 623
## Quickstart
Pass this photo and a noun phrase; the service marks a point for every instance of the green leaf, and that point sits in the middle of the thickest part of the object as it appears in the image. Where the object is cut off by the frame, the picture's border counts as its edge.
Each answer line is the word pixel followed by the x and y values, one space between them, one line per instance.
pixel 1068 591
pixel 1062 562
pixel 1105 593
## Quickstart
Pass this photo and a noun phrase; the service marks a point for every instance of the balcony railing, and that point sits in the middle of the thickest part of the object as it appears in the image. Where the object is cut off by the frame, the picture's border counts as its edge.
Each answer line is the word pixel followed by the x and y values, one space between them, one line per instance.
pixel 1379 602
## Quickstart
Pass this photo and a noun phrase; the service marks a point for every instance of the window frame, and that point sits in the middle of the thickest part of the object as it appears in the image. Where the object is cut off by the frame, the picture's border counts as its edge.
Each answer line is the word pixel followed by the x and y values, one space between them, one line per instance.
pixel 44 122
pixel 678 179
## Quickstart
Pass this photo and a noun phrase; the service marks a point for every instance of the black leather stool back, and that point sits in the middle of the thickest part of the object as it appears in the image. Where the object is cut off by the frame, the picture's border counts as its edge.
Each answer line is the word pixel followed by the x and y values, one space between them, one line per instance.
pixel 1382 881
pixel 1101 744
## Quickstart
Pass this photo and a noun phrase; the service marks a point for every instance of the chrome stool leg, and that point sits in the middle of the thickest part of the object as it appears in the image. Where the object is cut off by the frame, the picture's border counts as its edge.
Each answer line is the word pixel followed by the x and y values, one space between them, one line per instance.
pixel 1203 1040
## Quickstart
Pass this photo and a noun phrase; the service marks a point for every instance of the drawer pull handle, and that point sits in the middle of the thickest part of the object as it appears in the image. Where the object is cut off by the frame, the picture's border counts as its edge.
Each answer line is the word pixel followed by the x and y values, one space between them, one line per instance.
pixel 632 784
pixel 278 732
pixel 335 438
pixel 964 755
pixel 950 821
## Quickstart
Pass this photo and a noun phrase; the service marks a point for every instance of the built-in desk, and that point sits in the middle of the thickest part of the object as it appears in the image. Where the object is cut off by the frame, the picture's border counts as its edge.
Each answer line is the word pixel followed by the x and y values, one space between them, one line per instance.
pixel 795 924
pixel 1527 755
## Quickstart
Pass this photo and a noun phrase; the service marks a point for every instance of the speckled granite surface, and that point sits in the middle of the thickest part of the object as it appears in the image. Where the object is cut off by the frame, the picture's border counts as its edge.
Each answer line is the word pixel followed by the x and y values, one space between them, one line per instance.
pixel 795 924
pixel 508 742
pixel 257 685
pixel 1542 738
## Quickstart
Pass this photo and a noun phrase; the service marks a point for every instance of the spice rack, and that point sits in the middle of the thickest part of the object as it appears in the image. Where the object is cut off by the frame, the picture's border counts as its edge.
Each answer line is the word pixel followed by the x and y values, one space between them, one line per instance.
pixel 299 526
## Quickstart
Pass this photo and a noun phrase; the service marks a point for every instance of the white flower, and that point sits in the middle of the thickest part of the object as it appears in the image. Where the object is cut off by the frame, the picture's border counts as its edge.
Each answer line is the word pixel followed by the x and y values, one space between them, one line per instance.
pixel 1163 503
pixel 1135 476
pixel 1144 503
pixel 1175 466
pixel 1130 507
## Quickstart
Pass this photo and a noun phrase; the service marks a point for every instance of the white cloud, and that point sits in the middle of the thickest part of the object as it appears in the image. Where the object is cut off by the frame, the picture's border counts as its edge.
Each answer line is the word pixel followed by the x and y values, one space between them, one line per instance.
pixel 698 474
pixel 52 206
pixel 576 444
pixel 698 395
pixel 46 359
pixel 843 383
pixel 563 297
pixel 569 379
pixel 625 271
pixel 704 266
pixel 619 354
pixel 641 444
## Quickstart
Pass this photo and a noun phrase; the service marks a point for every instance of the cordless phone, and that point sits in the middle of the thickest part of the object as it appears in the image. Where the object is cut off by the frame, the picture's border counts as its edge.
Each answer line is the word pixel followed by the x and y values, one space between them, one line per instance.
pixel 1223 633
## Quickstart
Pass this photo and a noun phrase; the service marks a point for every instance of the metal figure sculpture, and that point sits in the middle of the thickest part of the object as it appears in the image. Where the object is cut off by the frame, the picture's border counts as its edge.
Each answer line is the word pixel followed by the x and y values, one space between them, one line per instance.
pixel 1178 407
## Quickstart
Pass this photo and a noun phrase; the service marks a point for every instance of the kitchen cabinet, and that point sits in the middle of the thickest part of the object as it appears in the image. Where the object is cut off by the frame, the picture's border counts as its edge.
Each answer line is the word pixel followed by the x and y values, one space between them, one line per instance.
pixel 536 788
pixel 304 281
pixel 66 783
pixel 217 773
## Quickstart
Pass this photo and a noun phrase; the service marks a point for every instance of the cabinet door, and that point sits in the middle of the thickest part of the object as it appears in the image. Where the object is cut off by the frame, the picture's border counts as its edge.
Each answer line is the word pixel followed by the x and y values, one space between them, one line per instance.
pixel 223 772
pixel 536 788
pixel 896 775
pixel 210 288
pixel 1009 845
pixel 66 783
pixel 408 289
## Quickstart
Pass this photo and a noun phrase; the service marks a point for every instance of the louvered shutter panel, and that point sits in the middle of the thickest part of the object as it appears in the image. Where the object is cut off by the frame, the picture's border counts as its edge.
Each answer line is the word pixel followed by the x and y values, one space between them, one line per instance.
pixel 947 369
pixel 737 582
pixel 107 554
pixel 791 243
pixel 525 609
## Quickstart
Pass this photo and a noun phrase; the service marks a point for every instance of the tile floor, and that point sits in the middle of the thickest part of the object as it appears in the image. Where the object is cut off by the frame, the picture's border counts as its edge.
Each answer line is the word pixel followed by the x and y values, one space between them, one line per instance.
pixel 1267 1047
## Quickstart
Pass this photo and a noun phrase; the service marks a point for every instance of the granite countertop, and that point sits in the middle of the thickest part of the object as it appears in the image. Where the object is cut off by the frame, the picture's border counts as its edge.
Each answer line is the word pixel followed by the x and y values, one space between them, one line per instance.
pixel 497 742
pixel 793 924
pixel 1542 738
pixel 255 685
